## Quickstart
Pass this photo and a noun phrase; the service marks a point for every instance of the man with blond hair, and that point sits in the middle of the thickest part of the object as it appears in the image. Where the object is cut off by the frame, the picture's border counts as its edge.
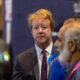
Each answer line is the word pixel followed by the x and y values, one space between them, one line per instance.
pixel 33 63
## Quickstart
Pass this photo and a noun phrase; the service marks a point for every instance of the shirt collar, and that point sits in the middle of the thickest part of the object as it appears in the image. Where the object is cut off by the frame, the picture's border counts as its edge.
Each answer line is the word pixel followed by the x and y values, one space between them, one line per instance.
pixel 48 49
pixel 38 50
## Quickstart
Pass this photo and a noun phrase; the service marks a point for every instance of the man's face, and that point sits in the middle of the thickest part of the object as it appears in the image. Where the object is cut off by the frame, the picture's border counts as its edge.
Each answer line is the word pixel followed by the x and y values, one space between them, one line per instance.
pixel 64 53
pixel 41 31
pixel 62 46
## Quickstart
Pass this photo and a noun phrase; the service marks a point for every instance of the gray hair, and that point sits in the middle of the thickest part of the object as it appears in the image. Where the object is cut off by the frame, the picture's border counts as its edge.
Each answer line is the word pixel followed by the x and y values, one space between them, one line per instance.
pixel 73 34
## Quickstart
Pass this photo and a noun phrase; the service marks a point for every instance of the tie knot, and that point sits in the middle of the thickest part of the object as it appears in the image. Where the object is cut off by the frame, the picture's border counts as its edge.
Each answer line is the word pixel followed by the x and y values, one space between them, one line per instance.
pixel 44 52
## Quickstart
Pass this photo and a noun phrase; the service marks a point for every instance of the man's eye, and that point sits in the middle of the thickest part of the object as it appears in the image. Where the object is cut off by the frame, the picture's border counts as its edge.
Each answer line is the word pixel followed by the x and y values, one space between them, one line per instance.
pixel 58 39
pixel 35 27
pixel 44 27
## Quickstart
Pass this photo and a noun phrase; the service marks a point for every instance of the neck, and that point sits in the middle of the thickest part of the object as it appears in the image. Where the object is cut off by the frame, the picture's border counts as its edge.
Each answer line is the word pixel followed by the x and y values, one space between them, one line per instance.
pixel 75 57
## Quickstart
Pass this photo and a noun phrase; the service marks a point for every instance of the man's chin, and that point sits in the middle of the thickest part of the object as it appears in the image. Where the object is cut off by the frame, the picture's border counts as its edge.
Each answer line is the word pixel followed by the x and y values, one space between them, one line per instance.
pixel 61 59
pixel 41 41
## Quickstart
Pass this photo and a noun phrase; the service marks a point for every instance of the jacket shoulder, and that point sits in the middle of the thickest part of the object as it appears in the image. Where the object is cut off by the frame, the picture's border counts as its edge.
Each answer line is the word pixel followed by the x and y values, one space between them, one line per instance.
pixel 25 53
pixel 25 56
pixel 76 75
pixel 25 60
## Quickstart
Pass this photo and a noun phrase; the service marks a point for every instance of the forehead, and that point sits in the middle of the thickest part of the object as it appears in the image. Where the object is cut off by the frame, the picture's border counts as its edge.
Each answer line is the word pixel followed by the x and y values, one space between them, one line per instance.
pixel 40 21
pixel 61 32
pixel 68 26
pixel 75 24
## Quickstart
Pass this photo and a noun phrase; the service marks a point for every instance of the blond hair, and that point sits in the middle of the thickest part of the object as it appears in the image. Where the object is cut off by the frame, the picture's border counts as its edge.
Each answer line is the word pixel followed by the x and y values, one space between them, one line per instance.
pixel 41 13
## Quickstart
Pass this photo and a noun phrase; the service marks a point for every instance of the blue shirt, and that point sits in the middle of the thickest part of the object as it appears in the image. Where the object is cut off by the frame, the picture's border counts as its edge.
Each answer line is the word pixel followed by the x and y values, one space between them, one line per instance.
pixel 57 71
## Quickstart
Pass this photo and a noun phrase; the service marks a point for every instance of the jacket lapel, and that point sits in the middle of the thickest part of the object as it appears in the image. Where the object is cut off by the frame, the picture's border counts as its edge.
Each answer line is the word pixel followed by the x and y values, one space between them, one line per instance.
pixel 35 62
pixel 35 65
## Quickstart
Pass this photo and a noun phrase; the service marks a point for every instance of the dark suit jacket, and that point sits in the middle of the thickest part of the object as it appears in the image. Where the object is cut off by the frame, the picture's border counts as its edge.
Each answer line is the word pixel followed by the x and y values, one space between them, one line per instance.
pixel 26 65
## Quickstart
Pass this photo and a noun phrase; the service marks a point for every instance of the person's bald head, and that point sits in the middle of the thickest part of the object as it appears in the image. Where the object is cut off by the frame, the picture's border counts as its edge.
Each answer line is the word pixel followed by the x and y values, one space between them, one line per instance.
pixel 71 20
pixel 70 23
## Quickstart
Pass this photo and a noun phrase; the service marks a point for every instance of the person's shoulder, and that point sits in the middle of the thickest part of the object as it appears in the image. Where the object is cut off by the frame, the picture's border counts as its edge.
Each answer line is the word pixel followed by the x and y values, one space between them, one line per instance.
pixel 25 54
pixel 76 75
pixel 24 60
pixel 78 70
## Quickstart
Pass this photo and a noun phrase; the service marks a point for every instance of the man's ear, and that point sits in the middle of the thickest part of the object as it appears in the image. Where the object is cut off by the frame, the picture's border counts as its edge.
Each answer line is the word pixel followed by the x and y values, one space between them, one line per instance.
pixel 72 46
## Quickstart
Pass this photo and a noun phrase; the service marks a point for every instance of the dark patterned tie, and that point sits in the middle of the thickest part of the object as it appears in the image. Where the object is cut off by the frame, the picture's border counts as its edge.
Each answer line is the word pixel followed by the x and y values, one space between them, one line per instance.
pixel 44 66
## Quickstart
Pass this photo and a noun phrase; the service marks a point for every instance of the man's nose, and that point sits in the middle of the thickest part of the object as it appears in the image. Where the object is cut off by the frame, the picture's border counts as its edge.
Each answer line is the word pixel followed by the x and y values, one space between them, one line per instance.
pixel 40 29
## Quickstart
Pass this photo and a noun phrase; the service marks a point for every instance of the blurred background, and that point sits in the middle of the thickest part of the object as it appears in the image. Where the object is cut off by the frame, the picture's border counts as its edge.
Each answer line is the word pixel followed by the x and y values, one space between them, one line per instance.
pixel 15 36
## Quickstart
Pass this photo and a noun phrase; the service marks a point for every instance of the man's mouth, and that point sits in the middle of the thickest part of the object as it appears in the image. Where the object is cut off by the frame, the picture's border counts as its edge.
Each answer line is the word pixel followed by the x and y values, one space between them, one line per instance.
pixel 40 36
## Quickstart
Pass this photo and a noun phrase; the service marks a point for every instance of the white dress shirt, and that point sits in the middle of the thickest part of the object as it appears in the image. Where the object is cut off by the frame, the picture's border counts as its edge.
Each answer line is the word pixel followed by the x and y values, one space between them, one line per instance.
pixel 40 57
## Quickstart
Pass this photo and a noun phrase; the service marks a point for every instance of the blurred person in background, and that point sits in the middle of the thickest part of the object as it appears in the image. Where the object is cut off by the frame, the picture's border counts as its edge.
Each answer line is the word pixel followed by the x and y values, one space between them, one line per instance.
pixel 33 63
pixel 5 63
pixel 68 44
